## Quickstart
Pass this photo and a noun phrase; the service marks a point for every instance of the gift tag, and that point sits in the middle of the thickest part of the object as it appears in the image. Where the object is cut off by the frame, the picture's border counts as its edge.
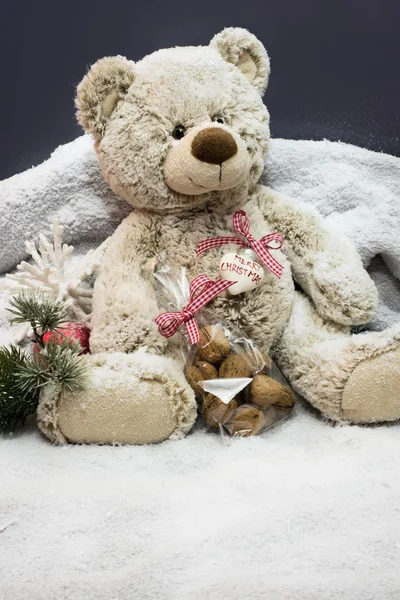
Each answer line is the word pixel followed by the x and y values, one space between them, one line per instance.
pixel 242 269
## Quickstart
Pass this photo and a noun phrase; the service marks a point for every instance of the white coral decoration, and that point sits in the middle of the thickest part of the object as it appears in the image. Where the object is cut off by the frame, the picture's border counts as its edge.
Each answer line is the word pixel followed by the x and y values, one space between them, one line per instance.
pixel 55 273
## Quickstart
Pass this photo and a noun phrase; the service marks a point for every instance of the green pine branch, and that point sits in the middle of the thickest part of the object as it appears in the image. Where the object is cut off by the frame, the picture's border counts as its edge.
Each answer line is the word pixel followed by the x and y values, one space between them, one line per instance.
pixel 59 363
pixel 22 376
pixel 41 312
pixel 15 405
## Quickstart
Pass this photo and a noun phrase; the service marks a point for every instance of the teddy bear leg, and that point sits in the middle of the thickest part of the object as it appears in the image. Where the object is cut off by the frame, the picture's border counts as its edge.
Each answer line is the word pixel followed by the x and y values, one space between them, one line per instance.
pixel 129 399
pixel 349 378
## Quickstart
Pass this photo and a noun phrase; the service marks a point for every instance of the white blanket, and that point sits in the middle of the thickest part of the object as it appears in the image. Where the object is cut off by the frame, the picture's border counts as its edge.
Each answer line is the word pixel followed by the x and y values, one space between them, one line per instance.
pixel 306 511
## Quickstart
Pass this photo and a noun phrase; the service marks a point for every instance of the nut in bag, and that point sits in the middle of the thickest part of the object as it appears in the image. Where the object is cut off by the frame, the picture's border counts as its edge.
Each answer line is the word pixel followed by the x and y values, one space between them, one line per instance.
pixel 240 390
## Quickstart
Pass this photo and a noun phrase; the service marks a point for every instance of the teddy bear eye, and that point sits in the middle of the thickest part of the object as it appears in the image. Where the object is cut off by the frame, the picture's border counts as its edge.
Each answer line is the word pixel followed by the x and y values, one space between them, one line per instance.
pixel 218 119
pixel 178 132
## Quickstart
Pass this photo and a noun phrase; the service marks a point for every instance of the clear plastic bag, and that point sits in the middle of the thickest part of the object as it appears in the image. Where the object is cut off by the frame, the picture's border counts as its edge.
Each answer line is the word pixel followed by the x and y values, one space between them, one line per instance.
pixel 240 391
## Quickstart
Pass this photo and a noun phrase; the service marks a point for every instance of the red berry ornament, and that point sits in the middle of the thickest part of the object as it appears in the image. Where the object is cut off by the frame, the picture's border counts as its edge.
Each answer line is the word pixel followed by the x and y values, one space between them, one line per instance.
pixel 74 331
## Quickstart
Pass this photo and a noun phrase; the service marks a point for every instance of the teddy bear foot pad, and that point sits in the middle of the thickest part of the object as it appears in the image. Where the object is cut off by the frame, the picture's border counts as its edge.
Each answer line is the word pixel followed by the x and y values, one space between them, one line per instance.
pixel 372 392
pixel 129 399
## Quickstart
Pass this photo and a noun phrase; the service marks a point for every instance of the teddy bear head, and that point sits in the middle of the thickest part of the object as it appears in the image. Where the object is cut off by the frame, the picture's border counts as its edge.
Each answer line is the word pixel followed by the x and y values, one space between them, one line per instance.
pixel 184 128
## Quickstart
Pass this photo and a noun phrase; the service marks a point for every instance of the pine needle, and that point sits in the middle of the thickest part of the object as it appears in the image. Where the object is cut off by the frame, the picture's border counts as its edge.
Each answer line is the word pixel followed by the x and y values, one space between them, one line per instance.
pixel 23 376
pixel 41 312
pixel 15 405
pixel 59 363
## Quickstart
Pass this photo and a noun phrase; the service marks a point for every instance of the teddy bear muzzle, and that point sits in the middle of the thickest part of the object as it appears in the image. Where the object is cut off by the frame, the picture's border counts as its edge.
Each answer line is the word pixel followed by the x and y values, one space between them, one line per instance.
pixel 206 159
pixel 214 145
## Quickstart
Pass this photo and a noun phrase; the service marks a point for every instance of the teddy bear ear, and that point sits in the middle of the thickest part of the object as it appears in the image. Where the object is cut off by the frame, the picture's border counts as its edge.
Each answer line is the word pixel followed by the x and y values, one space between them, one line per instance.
pixel 241 48
pixel 99 92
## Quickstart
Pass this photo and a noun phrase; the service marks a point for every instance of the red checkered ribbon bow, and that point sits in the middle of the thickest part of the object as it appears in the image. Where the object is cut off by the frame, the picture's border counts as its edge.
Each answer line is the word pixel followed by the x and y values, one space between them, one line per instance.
pixel 202 291
pixel 241 224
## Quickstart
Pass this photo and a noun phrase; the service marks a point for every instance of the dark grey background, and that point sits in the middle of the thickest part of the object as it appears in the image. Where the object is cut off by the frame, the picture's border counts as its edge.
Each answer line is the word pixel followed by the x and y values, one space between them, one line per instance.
pixel 335 63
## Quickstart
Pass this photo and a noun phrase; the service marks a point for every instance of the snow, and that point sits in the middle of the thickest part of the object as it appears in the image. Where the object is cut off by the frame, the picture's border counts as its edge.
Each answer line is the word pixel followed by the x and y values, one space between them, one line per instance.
pixel 306 510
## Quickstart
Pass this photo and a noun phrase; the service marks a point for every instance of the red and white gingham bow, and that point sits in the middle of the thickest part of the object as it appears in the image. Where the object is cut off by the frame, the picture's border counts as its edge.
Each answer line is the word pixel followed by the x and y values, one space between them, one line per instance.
pixel 202 290
pixel 241 224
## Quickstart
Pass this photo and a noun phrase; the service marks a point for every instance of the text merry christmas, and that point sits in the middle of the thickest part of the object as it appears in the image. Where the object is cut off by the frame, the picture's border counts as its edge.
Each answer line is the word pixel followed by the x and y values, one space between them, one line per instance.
pixel 244 267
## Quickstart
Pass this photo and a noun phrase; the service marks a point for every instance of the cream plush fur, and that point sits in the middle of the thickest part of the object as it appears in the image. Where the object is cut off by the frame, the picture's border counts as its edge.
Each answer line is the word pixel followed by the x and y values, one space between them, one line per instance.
pixel 137 392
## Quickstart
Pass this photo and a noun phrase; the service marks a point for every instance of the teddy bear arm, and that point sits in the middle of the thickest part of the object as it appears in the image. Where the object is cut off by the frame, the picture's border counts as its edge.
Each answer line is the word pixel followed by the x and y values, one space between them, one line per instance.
pixel 324 263
pixel 123 316
pixel 124 302
pixel 349 378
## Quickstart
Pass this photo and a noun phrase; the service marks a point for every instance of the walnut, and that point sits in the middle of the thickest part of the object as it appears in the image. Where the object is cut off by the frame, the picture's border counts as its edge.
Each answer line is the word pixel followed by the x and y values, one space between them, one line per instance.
pixel 259 361
pixel 265 391
pixel 213 345
pixel 233 366
pixel 216 412
pixel 246 420
pixel 200 371
pixel 287 399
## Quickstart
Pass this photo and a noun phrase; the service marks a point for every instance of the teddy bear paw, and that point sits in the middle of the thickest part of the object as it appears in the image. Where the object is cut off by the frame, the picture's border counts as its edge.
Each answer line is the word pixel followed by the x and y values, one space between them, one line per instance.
pixel 129 399
pixel 372 392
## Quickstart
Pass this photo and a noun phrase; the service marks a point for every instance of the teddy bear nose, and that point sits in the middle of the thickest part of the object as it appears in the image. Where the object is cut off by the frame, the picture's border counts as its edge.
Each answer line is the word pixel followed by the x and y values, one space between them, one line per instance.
pixel 214 145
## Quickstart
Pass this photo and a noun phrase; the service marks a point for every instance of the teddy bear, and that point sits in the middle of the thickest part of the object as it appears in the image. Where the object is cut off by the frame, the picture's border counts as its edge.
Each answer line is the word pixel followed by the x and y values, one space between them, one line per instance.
pixel 182 136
